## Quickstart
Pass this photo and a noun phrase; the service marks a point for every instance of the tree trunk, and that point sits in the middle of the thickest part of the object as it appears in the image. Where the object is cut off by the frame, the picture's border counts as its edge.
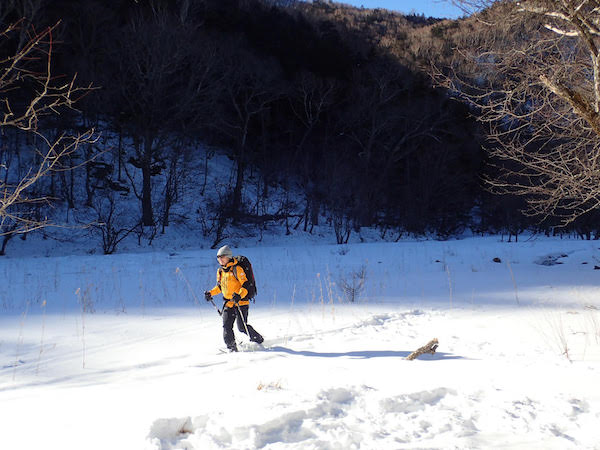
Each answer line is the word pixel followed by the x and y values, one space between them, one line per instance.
pixel 239 180
pixel 88 177
pixel 170 191
pixel 120 155
pixel 146 163
pixel 236 203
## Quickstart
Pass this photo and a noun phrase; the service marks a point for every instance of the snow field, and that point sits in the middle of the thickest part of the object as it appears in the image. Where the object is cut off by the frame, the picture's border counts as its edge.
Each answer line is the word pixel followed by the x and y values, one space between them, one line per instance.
pixel 414 273
pixel 351 398
pixel 116 352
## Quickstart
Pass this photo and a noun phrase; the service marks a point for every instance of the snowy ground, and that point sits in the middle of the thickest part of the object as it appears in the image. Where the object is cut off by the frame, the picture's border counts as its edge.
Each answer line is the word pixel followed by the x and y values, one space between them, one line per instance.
pixel 119 352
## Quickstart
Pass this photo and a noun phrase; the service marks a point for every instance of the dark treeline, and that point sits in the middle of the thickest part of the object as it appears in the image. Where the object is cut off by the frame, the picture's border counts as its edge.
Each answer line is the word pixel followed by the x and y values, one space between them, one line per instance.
pixel 304 97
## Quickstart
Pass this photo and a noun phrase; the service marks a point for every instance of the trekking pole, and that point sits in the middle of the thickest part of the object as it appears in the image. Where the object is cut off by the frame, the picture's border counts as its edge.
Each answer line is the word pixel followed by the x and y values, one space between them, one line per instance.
pixel 178 270
pixel 243 320
pixel 218 310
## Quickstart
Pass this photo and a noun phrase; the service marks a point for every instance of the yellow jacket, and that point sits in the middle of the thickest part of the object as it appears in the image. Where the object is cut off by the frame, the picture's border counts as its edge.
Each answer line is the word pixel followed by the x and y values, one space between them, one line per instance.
pixel 229 284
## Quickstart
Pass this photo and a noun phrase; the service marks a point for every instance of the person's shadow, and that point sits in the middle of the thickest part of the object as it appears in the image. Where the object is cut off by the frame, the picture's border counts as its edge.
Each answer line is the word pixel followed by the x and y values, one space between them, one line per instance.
pixel 364 354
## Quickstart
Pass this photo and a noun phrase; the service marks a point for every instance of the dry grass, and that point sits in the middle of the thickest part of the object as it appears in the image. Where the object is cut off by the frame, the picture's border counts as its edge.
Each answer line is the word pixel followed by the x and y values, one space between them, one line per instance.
pixel 271 386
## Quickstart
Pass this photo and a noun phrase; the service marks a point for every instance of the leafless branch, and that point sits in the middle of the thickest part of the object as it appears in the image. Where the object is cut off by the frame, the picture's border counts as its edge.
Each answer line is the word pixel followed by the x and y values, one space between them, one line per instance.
pixel 540 101
pixel 29 92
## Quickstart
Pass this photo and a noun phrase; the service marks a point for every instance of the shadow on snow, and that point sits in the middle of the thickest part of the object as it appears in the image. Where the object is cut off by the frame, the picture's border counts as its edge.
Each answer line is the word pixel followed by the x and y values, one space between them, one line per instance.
pixel 365 354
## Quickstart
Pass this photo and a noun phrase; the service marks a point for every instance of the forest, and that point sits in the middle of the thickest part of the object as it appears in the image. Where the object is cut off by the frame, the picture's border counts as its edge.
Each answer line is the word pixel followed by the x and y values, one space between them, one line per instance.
pixel 337 107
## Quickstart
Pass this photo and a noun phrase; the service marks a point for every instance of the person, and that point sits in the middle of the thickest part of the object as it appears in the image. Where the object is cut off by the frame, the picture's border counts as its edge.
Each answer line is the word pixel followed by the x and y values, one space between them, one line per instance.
pixel 230 282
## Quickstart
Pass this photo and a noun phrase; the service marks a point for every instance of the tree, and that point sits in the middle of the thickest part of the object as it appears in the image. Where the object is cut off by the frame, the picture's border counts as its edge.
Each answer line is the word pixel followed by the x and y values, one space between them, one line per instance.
pixel 23 15
pixel 162 80
pixel 541 102
pixel 375 128
pixel 29 94
pixel 311 101
pixel 250 90
pixel 112 224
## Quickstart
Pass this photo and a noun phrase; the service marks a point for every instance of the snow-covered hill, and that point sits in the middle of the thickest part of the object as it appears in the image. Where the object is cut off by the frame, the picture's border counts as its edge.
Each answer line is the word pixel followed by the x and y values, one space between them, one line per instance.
pixel 122 352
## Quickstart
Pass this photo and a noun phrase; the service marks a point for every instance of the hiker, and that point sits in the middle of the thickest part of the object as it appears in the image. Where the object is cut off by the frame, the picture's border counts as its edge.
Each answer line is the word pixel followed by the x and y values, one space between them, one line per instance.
pixel 233 283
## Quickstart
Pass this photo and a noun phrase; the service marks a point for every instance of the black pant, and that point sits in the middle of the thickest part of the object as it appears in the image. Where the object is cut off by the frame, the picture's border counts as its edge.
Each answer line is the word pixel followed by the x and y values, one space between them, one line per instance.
pixel 229 316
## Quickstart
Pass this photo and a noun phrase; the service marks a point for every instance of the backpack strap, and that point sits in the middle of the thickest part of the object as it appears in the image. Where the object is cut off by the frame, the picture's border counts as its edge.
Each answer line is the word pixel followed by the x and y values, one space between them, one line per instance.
pixel 233 272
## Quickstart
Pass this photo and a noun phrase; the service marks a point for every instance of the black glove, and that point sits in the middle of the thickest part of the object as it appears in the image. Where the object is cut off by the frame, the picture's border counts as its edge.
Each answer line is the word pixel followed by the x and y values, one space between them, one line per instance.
pixel 236 299
pixel 207 296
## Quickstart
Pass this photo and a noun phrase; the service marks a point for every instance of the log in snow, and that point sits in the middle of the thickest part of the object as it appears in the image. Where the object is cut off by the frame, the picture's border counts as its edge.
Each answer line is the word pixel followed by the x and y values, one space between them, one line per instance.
pixel 430 347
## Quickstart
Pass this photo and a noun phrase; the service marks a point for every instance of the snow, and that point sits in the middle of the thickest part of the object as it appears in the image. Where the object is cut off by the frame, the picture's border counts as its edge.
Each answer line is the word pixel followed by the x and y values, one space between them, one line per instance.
pixel 122 352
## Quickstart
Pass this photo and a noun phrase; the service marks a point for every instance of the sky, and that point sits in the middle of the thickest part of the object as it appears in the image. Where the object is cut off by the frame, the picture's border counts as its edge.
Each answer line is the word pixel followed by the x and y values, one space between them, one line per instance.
pixel 430 8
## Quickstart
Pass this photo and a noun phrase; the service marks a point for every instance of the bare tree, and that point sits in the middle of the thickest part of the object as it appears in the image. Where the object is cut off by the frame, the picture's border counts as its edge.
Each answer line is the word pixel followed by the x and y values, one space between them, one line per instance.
pixel 163 80
pixel 24 12
pixel 112 224
pixel 310 101
pixel 541 101
pixel 249 92
pixel 29 92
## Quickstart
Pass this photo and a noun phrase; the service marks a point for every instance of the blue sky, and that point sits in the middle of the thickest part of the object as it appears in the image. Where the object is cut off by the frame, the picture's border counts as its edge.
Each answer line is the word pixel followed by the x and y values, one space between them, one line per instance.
pixel 433 8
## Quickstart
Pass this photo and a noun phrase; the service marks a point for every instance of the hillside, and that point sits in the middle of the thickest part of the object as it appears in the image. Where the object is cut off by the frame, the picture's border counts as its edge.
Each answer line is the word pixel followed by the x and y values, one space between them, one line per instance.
pixel 328 114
